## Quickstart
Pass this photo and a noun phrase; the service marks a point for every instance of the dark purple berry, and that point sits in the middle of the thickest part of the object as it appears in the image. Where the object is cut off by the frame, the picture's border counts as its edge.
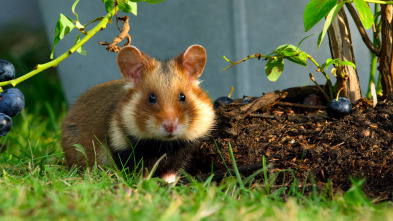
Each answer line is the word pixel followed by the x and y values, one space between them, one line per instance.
pixel 12 101
pixel 7 70
pixel 221 102
pixel 247 99
pixel 339 108
pixel 5 124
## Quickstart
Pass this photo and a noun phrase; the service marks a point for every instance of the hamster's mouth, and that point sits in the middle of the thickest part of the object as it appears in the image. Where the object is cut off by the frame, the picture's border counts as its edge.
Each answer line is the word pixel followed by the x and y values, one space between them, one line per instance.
pixel 170 137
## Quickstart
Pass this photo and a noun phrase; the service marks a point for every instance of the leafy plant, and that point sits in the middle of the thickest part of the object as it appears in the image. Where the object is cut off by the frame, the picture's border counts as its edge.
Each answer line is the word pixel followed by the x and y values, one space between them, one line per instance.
pixel 65 25
pixel 343 60
pixel 363 17
pixel 275 62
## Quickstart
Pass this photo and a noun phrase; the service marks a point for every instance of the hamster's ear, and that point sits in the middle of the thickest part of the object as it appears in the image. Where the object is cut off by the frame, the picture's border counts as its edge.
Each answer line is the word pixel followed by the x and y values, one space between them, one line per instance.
pixel 193 61
pixel 132 63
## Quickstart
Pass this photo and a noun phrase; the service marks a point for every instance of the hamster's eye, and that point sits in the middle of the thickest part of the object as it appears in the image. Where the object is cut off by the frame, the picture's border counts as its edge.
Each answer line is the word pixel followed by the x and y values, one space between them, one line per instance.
pixel 152 98
pixel 182 97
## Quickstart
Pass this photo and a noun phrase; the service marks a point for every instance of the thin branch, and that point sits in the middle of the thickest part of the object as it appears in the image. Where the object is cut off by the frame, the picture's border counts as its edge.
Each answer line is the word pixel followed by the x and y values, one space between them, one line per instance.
pixel 329 82
pixel 319 87
pixel 304 106
pixel 379 2
pixel 233 63
pixel 362 31
pixel 319 68
pixel 51 64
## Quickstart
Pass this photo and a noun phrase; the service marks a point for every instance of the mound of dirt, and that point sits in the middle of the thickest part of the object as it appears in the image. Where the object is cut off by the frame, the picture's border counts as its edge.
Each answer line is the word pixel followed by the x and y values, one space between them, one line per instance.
pixel 302 138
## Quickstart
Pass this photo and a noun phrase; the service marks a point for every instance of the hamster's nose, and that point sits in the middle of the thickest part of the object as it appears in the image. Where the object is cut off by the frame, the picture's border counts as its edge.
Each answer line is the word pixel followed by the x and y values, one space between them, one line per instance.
pixel 170 125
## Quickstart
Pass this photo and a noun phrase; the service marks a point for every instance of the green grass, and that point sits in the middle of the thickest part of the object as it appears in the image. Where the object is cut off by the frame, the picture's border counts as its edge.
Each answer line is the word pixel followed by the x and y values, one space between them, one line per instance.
pixel 34 184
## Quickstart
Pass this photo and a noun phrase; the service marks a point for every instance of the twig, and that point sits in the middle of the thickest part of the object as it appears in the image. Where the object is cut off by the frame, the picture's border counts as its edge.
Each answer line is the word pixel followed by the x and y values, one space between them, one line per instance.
pixel 117 17
pixel 263 115
pixel 123 34
pixel 257 55
pixel 319 68
pixel 329 82
pixel 288 104
pixel 362 31
pixel 319 87
pixel 268 99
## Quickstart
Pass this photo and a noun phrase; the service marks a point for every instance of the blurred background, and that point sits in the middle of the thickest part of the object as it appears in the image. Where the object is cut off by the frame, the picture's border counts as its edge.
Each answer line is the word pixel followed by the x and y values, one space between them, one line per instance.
pixel 24 42
pixel 234 28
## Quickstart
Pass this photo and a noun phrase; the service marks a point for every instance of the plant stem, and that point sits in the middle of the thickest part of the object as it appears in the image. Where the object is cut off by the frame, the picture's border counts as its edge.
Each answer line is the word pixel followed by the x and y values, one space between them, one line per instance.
pixel 379 2
pixel 373 67
pixel 372 47
pixel 329 82
pixel 319 67
pixel 257 55
pixel 41 67
pixel 374 59
pixel 319 87
pixel 379 85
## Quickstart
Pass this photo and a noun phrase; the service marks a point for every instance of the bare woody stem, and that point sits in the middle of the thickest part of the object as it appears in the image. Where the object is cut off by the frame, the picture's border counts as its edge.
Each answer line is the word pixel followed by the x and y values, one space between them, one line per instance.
pixel 319 87
pixel 51 64
pixel 123 34
pixel 362 31
pixel 257 55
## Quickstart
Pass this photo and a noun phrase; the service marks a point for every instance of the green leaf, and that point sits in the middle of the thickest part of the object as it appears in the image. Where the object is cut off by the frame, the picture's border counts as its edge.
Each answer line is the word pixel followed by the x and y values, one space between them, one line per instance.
pixel 134 7
pixel 347 63
pixel 274 68
pixel 81 50
pixel 330 61
pixel 365 14
pixel 329 19
pixel 302 59
pixel 63 27
pixel 288 52
pixel 298 45
pixel 315 11
pixel 293 54
pixel 95 20
pixel 128 6
pixel 109 4
pixel 323 67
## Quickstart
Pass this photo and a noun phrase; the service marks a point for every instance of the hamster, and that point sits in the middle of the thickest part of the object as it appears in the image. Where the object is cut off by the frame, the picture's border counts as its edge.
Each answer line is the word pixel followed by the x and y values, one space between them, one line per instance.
pixel 157 110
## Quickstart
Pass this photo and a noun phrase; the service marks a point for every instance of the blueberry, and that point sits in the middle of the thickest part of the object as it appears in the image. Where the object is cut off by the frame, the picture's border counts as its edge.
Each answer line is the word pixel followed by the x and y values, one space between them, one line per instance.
pixel 247 99
pixel 7 70
pixel 12 101
pixel 5 124
pixel 339 108
pixel 221 102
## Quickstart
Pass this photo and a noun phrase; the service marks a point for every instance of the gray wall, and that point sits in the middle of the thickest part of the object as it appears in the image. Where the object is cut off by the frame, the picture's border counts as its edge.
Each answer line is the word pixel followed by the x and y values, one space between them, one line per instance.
pixel 235 28
pixel 20 12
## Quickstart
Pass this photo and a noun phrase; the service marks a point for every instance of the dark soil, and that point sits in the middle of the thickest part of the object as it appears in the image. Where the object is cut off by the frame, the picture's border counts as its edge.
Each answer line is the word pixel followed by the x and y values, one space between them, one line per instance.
pixel 305 141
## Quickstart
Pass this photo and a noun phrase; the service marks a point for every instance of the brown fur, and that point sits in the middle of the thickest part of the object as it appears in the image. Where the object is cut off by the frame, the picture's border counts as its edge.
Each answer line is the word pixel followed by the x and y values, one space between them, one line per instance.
pixel 87 122
pixel 119 111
